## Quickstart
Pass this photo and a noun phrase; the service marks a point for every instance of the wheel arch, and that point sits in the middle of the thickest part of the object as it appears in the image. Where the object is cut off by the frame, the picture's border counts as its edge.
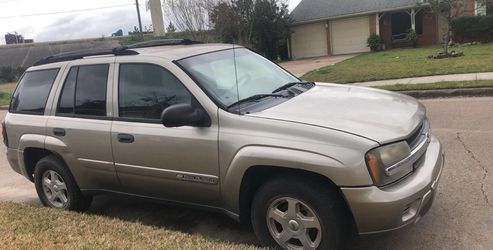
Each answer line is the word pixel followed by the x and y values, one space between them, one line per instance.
pixel 32 155
pixel 254 165
pixel 35 147
pixel 255 176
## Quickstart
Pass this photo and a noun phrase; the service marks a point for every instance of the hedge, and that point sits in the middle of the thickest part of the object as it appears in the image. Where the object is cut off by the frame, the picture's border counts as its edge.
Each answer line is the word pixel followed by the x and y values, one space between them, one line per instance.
pixel 10 74
pixel 473 29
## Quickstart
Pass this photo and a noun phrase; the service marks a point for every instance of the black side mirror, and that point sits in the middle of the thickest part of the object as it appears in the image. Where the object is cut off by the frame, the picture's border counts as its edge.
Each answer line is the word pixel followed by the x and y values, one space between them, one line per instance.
pixel 180 115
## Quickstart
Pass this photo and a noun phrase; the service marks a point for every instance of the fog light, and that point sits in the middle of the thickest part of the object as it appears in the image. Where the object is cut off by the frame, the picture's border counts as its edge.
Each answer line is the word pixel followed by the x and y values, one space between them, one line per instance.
pixel 411 210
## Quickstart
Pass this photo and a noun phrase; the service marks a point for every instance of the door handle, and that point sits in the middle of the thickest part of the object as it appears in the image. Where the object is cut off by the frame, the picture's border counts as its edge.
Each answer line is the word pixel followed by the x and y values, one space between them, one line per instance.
pixel 59 131
pixel 125 138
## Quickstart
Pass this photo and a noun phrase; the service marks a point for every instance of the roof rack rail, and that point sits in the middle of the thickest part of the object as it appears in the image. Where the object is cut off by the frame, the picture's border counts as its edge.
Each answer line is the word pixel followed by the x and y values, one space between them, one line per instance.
pixel 161 42
pixel 62 57
pixel 118 51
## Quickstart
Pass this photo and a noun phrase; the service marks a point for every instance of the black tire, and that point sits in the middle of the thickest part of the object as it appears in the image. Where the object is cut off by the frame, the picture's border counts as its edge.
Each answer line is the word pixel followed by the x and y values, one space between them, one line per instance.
pixel 323 199
pixel 76 201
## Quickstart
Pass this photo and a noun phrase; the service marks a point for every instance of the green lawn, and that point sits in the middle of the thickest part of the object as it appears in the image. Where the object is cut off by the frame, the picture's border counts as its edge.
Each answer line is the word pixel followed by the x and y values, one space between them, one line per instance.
pixel 28 227
pixel 403 63
pixel 438 85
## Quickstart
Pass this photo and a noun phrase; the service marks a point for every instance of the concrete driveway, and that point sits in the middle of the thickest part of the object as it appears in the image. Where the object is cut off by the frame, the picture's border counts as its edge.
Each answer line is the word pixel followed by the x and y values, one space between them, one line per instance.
pixel 461 218
pixel 300 67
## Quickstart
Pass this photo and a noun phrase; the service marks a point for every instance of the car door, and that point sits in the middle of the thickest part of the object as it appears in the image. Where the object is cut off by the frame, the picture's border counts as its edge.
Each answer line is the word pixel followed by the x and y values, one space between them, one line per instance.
pixel 178 164
pixel 79 125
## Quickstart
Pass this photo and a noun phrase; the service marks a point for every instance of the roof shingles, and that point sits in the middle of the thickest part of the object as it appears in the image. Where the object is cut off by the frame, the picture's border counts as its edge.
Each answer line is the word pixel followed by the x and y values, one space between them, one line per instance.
pixel 309 10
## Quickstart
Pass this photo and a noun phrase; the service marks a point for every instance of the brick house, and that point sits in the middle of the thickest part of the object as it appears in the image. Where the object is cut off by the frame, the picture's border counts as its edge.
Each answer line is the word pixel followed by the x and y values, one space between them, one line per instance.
pixel 335 27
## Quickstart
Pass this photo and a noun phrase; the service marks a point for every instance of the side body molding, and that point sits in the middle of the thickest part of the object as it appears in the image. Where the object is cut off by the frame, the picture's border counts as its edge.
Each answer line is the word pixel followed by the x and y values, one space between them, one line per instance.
pixel 271 156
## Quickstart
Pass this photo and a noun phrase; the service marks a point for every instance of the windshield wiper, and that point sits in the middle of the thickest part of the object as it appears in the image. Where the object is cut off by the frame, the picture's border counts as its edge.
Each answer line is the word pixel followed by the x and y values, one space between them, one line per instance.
pixel 289 85
pixel 256 98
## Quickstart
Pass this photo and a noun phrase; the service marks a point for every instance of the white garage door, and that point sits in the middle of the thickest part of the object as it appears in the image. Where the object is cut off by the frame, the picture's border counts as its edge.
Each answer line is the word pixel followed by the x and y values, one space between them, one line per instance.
pixel 350 35
pixel 309 40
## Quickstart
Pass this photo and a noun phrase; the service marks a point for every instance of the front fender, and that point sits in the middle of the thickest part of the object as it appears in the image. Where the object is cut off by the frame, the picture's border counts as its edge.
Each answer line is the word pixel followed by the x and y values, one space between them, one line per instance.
pixel 279 157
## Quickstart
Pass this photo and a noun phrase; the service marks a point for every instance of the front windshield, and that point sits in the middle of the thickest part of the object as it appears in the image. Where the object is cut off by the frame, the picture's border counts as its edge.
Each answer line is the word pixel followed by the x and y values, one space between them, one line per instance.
pixel 254 75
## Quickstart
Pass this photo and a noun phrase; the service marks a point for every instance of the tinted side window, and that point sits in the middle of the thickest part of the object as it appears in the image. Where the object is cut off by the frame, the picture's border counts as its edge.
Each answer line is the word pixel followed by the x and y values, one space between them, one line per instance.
pixel 90 90
pixel 66 103
pixel 145 90
pixel 33 90
pixel 84 91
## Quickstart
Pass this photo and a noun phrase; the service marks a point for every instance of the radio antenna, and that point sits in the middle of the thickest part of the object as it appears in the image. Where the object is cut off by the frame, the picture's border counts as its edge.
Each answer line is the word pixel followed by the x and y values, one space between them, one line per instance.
pixel 236 77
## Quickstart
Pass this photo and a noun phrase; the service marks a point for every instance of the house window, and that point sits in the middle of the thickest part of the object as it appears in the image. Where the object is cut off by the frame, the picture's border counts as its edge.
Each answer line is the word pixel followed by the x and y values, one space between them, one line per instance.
pixel 483 9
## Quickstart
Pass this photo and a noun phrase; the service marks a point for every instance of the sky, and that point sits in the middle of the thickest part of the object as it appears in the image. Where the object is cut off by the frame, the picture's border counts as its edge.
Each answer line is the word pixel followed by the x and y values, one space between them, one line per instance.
pixel 42 21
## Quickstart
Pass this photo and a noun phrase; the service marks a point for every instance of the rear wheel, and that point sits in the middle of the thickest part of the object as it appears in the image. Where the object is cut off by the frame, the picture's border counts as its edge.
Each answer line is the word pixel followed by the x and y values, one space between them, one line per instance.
pixel 56 187
pixel 291 214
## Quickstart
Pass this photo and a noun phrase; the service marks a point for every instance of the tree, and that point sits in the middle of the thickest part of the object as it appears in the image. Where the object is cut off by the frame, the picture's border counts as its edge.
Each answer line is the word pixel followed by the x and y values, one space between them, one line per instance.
pixel 191 16
pixel 171 28
pixel 448 10
pixel 254 23
pixel 225 22
pixel 271 24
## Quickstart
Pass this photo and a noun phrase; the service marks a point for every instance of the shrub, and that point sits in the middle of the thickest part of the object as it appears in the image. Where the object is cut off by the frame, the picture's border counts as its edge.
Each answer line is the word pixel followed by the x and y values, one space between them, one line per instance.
pixel 412 37
pixel 473 29
pixel 10 74
pixel 374 42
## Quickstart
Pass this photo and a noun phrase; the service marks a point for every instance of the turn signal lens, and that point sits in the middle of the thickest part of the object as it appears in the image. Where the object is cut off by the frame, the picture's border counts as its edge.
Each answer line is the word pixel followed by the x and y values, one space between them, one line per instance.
pixel 372 162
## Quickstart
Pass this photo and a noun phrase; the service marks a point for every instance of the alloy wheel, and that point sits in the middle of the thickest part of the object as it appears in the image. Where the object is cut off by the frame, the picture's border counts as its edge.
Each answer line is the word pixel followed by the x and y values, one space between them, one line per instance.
pixel 55 189
pixel 293 224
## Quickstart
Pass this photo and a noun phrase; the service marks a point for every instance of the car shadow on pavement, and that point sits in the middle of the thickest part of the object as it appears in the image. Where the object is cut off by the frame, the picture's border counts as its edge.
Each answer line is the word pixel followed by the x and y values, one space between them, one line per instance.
pixel 194 221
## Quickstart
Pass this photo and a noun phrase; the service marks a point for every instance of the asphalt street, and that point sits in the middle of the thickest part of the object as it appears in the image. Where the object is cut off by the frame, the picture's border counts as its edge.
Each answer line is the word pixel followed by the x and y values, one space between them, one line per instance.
pixel 461 217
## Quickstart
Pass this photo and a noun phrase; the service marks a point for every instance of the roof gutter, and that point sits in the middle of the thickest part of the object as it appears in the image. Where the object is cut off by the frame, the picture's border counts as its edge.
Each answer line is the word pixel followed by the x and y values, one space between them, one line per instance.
pixel 353 15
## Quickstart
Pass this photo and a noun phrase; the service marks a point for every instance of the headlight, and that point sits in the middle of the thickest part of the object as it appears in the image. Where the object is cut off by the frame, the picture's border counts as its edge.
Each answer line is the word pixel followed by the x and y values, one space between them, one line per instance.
pixel 380 161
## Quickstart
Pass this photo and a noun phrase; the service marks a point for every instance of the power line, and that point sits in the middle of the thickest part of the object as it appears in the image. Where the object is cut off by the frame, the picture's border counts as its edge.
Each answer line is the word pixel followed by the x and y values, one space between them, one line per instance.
pixel 68 11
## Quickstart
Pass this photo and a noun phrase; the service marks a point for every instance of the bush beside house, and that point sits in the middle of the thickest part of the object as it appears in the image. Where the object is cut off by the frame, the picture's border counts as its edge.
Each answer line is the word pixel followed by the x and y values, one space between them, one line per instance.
pixel 472 29
pixel 375 42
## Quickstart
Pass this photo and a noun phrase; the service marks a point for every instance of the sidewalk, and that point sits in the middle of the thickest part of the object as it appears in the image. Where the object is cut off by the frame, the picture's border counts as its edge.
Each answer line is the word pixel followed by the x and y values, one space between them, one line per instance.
pixel 302 66
pixel 430 79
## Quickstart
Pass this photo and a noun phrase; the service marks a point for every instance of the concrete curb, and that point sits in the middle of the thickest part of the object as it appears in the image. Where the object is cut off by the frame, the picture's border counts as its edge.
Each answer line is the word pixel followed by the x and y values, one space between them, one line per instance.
pixel 444 93
pixel 430 79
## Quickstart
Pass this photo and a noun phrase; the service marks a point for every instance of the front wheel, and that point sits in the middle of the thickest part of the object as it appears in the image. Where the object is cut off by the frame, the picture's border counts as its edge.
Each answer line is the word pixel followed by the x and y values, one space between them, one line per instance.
pixel 291 214
pixel 56 187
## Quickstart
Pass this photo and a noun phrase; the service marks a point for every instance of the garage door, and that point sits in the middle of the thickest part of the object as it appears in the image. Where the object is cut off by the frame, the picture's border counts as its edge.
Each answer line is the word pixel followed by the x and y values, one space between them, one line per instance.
pixel 350 35
pixel 309 40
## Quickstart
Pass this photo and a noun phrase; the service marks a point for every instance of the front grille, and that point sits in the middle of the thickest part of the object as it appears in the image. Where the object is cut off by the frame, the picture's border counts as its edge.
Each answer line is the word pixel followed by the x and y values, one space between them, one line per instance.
pixel 415 138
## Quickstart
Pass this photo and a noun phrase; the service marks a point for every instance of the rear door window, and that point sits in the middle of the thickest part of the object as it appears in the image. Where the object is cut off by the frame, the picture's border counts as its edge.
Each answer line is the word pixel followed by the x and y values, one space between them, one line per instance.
pixel 32 92
pixel 84 91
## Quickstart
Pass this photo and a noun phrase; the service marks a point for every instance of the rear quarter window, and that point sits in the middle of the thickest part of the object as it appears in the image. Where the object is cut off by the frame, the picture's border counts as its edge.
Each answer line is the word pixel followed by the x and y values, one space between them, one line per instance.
pixel 32 92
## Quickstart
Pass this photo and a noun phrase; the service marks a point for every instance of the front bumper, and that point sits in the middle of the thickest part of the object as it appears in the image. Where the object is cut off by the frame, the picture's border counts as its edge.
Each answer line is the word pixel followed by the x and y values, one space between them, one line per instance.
pixel 378 210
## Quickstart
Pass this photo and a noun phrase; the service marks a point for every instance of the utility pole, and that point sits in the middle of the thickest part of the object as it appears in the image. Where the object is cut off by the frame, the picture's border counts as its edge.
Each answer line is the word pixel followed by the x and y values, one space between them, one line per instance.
pixel 140 21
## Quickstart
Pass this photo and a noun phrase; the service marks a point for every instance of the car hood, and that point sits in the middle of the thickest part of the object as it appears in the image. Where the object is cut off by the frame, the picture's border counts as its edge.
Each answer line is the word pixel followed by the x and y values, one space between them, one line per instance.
pixel 378 115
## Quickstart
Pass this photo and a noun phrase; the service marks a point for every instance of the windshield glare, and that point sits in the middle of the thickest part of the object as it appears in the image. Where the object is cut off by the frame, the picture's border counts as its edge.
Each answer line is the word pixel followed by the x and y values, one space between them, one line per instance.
pixel 254 74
